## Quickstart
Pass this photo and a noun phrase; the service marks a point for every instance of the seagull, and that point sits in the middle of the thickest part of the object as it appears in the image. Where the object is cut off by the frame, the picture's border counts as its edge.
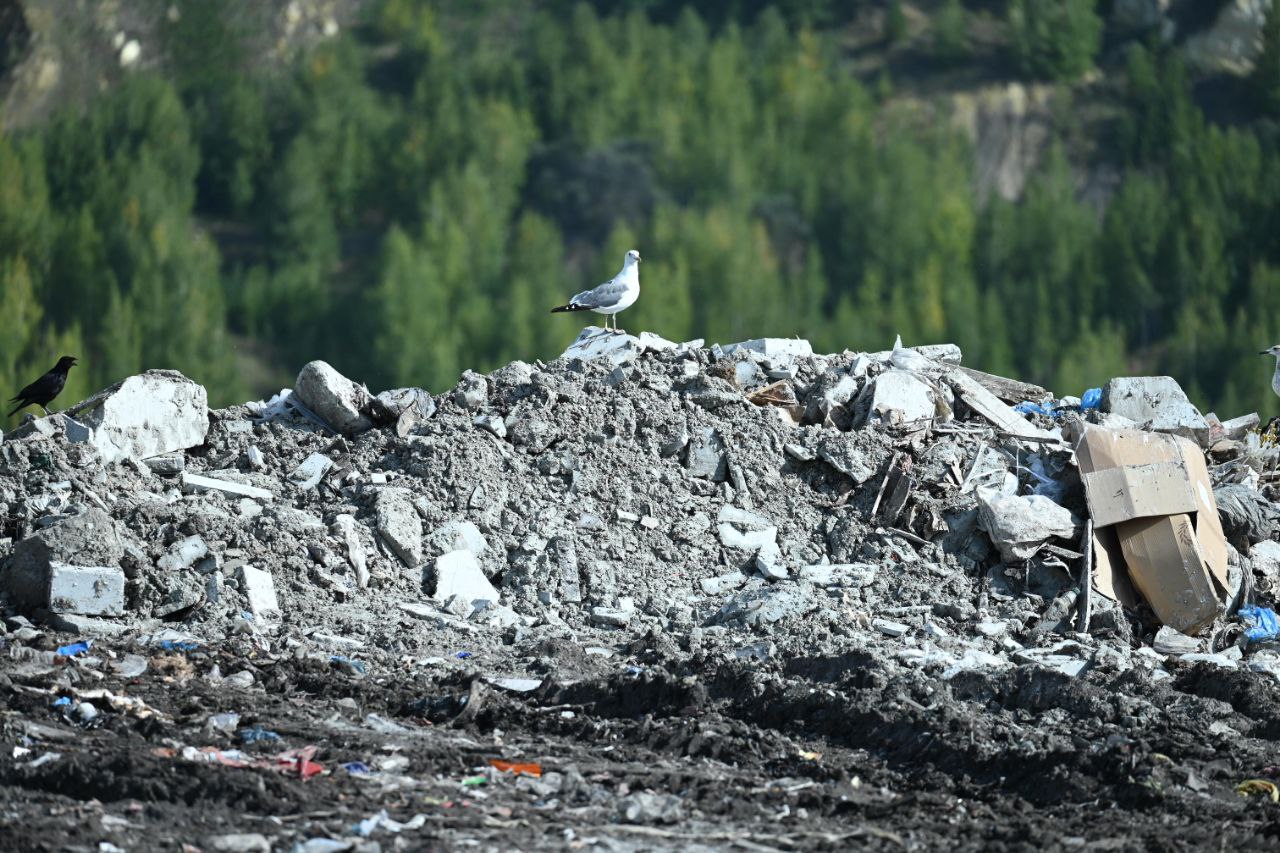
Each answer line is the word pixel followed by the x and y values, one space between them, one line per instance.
pixel 43 390
pixel 1275 377
pixel 617 294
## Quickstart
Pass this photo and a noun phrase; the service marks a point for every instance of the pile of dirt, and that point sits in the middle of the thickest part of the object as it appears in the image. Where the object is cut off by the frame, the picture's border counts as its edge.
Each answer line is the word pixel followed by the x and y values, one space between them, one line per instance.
pixel 703 590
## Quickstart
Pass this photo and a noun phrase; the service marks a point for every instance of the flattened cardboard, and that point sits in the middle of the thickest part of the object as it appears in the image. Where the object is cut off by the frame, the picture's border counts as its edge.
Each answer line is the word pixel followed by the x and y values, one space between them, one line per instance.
pixel 1168 568
pixel 1138 491
pixel 1161 566
pixel 1109 574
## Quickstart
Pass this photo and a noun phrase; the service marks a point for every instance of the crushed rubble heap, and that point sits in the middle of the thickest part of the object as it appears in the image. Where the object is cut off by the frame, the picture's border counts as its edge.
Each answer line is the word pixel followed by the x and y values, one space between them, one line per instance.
pixel 636 509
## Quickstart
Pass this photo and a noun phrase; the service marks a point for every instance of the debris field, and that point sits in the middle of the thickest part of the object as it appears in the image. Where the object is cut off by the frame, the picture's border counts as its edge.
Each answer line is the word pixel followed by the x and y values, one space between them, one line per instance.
pixel 645 596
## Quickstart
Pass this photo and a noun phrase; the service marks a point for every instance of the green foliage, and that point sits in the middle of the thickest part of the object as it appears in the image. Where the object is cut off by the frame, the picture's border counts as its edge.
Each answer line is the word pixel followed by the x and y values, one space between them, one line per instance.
pixel 1266 74
pixel 1054 39
pixel 410 199
pixel 951 32
pixel 895 22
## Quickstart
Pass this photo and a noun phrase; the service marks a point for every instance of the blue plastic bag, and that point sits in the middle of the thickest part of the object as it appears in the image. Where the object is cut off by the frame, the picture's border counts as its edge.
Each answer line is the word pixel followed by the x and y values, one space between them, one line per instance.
pixel 358 666
pixel 1261 623
pixel 1091 399
pixel 1029 408
pixel 75 649
pixel 179 645
pixel 255 735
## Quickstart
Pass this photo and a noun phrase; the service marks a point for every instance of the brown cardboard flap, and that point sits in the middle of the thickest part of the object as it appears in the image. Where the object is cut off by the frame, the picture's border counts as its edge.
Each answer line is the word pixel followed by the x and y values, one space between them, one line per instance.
pixel 1110 577
pixel 1169 569
pixel 1098 449
pixel 1138 491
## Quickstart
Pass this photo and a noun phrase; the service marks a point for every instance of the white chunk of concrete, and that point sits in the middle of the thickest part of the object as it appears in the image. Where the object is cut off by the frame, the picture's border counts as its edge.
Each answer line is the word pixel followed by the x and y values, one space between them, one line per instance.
pixel 898 396
pixel 193 483
pixel 1158 402
pixel 459 573
pixel 151 414
pixel 312 470
pixel 87 590
pixel 458 536
pixel 259 587
pixel 772 347
pixel 334 398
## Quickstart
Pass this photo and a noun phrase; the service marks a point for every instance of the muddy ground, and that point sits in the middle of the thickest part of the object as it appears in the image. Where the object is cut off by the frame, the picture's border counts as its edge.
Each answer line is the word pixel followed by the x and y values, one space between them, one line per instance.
pixel 800 751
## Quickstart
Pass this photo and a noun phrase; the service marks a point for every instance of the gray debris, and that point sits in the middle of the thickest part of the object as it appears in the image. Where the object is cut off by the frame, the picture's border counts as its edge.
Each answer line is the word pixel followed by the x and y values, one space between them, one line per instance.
pixel 765 605
pixel 614 616
pixel 86 538
pixel 312 470
pixel 1247 517
pixel 399 525
pixel 648 807
pixel 153 413
pixel 840 452
pixel 1154 402
pixel 706 456
pixel 852 575
pixel 1169 641
pixel 1019 524
pixel 333 398
pixel 457 536
pixel 196 483
pixel 772 347
pixel 183 554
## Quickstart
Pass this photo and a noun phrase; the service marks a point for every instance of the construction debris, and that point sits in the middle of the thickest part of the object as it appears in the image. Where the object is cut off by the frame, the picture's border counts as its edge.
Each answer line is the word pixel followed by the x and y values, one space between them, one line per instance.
pixel 637 531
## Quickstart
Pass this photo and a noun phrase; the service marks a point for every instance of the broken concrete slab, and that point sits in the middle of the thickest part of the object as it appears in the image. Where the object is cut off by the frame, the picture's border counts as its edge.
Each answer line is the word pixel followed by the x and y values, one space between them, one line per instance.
pixel 312 470
pixel 150 414
pixel 852 575
pixel 618 347
pixel 987 404
pixel 459 573
pixel 195 483
pixel 86 538
pixel 86 590
pixel 399 525
pixel 1019 524
pixel 333 398
pixel 183 554
pixel 705 457
pixel 457 536
pixel 1156 402
pixel 260 589
pixel 772 347
pixel 840 452
pixel 900 397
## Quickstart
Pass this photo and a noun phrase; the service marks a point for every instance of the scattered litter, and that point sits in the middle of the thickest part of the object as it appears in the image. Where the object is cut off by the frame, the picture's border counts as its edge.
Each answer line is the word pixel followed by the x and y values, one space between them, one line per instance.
pixel 75 649
pixel 1261 623
pixel 257 735
pixel 516 768
pixel 1259 787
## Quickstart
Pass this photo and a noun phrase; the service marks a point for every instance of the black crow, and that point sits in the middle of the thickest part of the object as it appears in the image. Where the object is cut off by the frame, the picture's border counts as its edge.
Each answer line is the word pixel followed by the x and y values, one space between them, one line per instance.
pixel 43 390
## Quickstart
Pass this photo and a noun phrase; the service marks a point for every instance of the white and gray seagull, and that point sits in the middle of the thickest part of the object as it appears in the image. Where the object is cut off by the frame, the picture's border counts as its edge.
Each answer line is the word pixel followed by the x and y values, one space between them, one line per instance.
pixel 1275 377
pixel 617 294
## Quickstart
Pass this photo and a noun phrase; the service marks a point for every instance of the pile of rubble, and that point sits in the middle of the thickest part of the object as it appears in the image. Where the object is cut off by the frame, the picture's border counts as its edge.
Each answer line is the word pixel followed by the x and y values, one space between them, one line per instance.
pixel 895 499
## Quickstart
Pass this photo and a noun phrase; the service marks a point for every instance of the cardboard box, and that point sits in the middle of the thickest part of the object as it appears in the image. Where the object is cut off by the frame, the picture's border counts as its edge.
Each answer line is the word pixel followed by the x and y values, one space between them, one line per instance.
pixel 1153 491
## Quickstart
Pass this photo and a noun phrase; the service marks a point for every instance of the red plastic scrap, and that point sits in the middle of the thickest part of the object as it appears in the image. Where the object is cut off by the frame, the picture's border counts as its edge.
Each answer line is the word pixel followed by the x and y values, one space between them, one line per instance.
pixel 299 760
pixel 515 767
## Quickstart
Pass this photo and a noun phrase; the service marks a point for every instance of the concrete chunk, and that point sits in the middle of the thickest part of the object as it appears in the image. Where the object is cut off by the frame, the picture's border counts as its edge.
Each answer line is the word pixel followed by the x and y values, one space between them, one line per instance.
pixel 900 397
pixel 87 590
pixel 706 456
pixel 458 536
pixel 459 573
pixel 399 525
pixel 153 413
pixel 312 470
pixel 772 347
pixel 194 483
pixel 333 397
pixel 1156 402
pixel 260 589
pixel 87 538
pixel 183 554
pixel 620 348
pixel 1020 524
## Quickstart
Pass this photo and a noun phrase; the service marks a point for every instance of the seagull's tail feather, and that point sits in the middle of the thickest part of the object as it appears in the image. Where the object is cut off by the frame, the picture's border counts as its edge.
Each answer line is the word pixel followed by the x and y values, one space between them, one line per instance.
pixel 570 307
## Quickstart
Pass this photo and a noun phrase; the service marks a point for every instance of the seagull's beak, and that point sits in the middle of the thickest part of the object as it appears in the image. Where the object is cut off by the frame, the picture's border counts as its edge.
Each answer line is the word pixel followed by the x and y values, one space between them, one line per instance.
pixel 1265 352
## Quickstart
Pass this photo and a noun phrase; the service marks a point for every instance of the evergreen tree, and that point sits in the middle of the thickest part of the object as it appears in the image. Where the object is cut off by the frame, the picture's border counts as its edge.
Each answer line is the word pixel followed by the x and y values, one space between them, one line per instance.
pixel 1055 39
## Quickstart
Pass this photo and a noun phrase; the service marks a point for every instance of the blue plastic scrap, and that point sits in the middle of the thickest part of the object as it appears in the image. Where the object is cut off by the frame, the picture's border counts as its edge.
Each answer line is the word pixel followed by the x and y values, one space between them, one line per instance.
pixel 1091 399
pixel 1030 408
pixel 254 735
pixel 1261 623
pixel 358 666
pixel 75 649
pixel 62 701
pixel 357 768
pixel 179 645
pixel 462 655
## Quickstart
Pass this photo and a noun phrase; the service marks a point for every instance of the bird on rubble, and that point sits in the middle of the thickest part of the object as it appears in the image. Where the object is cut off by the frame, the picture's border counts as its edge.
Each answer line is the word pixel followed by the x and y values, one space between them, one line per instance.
pixel 615 295
pixel 1275 377
pixel 43 390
